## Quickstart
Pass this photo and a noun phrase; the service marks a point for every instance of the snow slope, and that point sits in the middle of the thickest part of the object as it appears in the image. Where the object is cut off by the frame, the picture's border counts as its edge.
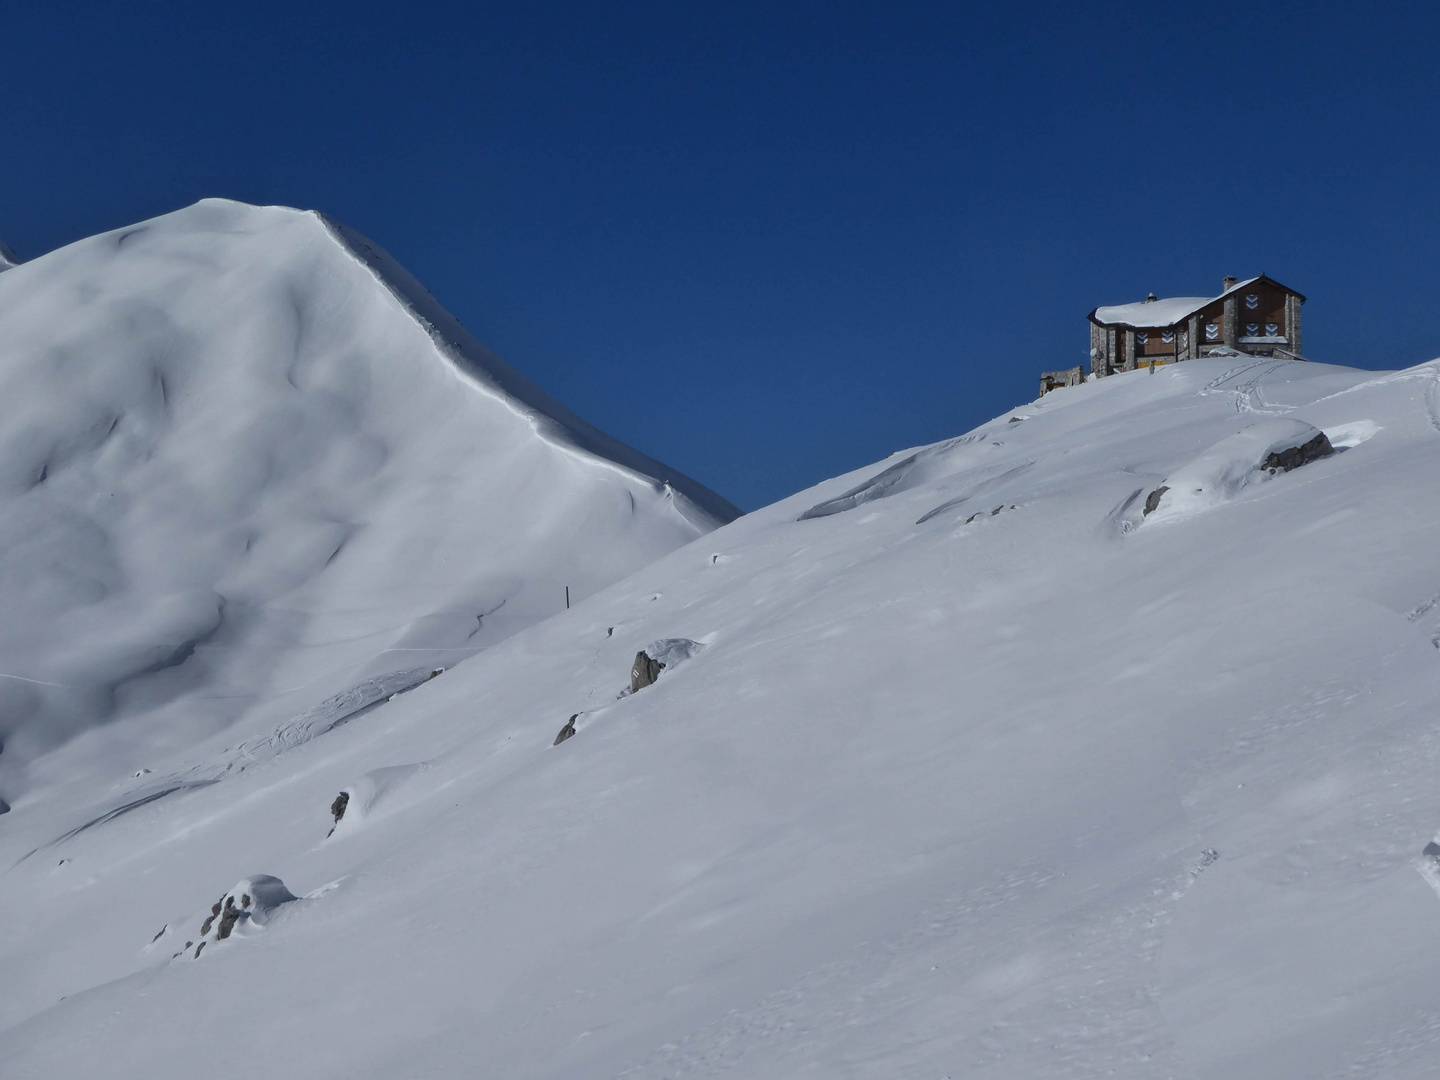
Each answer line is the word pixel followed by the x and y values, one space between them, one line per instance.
pixel 983 774
pixel 246 463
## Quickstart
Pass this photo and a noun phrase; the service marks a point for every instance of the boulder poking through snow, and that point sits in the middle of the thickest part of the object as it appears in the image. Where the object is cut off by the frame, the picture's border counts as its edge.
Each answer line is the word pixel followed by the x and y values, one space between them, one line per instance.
pixel 1295 456
pixel 243 910
pixel 1250 457
pixel 567 731
pixel 360 796
pixel 337 809
pixel 644 671
pixel 658 656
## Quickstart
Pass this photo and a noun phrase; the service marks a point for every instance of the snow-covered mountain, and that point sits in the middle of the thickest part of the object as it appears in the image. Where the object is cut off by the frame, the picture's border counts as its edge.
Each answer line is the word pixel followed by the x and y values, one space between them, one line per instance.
pixel 1098 741
pixel 8 258
pixel 247 462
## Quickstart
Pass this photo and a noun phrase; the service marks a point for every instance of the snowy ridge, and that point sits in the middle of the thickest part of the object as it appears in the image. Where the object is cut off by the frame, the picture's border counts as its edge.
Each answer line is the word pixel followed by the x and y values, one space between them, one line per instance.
pixel 484 368
pixel 237 478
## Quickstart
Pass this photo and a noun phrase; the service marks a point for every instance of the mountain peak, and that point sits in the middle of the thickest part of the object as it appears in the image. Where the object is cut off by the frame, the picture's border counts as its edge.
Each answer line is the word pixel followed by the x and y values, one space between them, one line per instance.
pixel 257 454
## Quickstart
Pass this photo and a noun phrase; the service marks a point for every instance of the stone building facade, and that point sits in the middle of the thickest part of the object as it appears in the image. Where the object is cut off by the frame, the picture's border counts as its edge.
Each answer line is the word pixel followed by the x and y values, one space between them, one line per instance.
pixel 1054 380
pixel 1259 317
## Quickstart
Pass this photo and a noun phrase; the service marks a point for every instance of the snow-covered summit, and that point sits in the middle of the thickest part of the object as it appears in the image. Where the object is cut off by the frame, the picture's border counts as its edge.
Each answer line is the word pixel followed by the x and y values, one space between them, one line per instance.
pixel 246 462
pixel 8 258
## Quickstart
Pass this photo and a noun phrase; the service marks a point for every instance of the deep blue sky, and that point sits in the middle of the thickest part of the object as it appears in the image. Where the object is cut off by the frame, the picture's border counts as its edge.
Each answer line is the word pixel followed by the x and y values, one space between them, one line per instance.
pixel 771 242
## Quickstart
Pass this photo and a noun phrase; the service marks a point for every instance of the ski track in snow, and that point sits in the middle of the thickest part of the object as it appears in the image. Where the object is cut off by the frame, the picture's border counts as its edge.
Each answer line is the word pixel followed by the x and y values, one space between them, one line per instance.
pixel 1249 397
pixel 322 719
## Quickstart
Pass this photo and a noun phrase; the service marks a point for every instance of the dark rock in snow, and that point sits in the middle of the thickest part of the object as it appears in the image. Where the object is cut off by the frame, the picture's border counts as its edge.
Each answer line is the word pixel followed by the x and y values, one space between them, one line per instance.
pixel 644 671
pixel 1295 456
pixel 1152 501
pixel 228 918
pixel 250 903
pixel 566 731
pixel 337 810
pixel 665 654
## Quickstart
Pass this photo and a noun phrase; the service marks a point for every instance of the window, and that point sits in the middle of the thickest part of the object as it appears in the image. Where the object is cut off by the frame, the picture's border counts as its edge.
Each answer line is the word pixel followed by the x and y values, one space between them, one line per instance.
pixel 1212 331
pixel 1252 301
pixel 1142 338
pixel 1272 329
pixel 1168 337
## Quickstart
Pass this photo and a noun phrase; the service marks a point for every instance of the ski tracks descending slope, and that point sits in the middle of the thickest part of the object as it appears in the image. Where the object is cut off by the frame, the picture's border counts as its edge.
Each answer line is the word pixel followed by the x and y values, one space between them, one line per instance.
pixel 1248 396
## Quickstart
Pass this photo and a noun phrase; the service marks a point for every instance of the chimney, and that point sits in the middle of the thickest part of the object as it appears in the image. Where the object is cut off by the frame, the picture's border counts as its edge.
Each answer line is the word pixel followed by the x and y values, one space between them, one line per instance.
pixel 1230 283
pixel 1150 299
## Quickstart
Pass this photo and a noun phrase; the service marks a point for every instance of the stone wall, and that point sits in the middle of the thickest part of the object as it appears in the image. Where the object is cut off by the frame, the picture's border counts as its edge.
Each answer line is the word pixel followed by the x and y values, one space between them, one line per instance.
pixel 1054 380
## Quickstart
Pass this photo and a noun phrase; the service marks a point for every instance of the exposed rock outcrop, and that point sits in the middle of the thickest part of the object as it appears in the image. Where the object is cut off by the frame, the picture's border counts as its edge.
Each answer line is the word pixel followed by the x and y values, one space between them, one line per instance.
pixel 663 655
pixel 337 809
pixel 566 731
pixel 245 908
pixel 1295 456
pixel 1250 457
pixel 644 671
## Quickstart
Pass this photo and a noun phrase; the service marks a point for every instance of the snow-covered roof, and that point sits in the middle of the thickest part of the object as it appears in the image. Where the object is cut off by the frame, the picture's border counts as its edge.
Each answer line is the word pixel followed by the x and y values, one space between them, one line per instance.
pixel 1167 312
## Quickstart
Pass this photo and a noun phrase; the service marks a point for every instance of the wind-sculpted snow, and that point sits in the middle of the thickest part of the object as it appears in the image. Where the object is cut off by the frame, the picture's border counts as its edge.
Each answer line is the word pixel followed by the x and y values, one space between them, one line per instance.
pixel 242 912
pixel 334 711
pixel 374 789
pixel 245 461
pixel 549 417
pixel 1233 464
pixel 325 717
pixel 911 472
pixel 1014 791
pixel 672 652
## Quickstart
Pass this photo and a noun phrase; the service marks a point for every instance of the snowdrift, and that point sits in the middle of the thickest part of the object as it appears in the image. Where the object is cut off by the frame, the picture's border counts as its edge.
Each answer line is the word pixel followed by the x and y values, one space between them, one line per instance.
pixel 947 792
pixel 247 462
pixel 1249 457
